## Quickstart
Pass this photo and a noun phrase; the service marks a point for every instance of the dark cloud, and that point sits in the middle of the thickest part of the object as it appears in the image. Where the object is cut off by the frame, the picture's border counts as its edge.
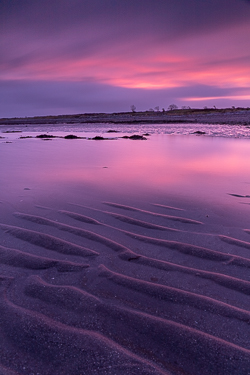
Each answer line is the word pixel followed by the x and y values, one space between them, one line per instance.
pixel 161 17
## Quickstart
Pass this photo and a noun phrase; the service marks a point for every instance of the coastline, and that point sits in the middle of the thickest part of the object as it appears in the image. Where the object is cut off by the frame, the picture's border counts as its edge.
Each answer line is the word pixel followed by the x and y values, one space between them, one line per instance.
pixel 229 116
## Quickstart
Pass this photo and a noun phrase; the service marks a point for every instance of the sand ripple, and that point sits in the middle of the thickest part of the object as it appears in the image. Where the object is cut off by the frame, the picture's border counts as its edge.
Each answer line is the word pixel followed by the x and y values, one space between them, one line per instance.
pixel 150 299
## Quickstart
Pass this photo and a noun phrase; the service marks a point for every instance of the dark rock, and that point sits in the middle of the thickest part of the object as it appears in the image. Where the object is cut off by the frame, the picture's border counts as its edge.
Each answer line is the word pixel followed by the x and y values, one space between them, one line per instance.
pixel 134 137
pixel 137 137
pixel 45 136
pixel 72 136
pixel 98 138
pixel 199 132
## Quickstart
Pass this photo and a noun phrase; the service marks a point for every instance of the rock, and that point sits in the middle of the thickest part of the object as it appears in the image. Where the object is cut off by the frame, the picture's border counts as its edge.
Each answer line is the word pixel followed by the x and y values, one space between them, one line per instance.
pixel 199 132
pixel 72 136
pixel 98 138
pixel 45 136
pixel 134 137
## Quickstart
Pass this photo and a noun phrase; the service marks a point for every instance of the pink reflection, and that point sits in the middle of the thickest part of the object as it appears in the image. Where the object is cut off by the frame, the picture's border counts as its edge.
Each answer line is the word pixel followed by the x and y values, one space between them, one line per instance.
pixel 189 166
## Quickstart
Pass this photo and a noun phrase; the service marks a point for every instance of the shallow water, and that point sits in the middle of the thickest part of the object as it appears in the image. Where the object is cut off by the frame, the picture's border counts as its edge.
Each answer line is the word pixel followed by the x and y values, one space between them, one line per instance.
pixel 188 169
pixel 210 130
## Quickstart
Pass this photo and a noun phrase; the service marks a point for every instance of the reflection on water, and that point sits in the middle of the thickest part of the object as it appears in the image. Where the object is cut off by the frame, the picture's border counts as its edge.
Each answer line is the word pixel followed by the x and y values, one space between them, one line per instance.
pixel 164 167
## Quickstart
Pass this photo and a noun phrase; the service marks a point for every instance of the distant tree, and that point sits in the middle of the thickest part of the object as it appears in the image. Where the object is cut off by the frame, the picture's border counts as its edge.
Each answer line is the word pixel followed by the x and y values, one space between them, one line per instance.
pixel 163 110
pixel 133 108
pixel 184 107
pixel 151 110
pixel 157 108
pixel 205 107
pixel 172 107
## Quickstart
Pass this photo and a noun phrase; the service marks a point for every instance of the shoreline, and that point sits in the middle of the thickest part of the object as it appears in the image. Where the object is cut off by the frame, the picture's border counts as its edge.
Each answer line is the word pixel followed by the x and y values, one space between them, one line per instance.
pixel 203 116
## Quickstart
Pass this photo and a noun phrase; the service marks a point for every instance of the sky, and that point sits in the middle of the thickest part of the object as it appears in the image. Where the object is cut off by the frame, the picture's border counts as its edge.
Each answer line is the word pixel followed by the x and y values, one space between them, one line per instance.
pixel 85 56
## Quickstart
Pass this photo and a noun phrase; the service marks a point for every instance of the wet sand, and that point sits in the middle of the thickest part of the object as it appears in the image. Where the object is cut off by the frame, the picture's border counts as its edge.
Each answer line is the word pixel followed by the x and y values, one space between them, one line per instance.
pixel 123 286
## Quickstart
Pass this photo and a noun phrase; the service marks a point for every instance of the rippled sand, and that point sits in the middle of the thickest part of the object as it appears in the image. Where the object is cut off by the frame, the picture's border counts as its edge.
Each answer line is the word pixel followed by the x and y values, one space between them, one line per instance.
pixel 120 290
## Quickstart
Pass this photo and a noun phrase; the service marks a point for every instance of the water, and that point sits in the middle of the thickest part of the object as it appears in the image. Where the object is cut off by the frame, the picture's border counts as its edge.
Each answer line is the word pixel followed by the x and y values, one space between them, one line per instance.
pixel 172 165
pixel 225 131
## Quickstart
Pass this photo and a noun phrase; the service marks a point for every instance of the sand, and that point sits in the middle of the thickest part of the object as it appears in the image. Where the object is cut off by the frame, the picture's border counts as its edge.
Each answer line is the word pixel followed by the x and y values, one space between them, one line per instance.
pixel 123 286
pixel 125 301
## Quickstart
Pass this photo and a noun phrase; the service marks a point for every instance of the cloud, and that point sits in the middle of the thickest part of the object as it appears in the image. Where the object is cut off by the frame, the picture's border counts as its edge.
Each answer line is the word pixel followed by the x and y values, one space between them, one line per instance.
pixel 80 29
pixel 111 54
pixel 119 20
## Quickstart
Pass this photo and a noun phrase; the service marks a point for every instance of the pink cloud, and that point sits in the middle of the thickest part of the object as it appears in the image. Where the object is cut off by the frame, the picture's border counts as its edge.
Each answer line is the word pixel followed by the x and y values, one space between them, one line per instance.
pixel 207 59
pixel 131 46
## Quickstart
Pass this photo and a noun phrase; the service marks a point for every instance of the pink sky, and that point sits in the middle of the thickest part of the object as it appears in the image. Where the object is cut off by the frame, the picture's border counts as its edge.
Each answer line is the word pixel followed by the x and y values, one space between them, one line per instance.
pixel 104 55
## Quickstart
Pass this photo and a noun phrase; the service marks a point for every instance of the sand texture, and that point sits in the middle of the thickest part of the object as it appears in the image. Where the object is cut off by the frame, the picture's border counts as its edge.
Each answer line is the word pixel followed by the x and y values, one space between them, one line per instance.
pixel 122 289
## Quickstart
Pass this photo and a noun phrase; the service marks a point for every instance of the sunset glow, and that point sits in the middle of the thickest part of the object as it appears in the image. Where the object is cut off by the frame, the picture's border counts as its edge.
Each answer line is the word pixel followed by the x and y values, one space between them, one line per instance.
pixel 147 56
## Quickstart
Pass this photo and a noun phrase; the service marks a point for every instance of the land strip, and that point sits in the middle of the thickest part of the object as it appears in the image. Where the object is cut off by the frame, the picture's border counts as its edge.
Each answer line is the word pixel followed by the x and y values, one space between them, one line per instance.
pixel 229 116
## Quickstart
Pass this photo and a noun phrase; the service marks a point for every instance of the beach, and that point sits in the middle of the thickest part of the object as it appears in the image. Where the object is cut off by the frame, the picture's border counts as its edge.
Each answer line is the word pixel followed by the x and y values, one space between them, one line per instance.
pixel 121 255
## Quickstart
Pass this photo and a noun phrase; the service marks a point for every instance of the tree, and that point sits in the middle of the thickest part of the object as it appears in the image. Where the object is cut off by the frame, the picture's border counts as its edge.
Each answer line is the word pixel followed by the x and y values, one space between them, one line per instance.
pixel 133 108
pixel 157 108
pixel 172 107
